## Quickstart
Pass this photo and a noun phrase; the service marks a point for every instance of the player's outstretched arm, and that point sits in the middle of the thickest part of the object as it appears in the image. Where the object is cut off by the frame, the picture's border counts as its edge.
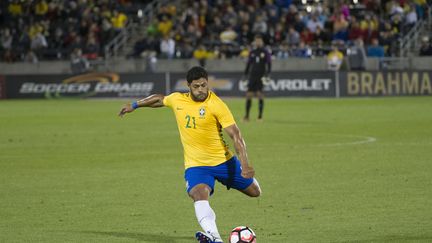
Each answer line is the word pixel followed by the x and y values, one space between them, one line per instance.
pixel 153 101
pixel 240 146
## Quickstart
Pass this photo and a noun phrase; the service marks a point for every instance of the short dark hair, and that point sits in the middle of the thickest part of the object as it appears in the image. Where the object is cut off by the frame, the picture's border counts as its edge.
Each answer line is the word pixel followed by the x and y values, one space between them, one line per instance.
pixel 196 73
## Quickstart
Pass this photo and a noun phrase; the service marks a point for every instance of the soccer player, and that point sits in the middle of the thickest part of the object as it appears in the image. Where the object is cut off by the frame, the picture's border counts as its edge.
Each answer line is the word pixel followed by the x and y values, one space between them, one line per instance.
pixel 257 70
pixel 201 116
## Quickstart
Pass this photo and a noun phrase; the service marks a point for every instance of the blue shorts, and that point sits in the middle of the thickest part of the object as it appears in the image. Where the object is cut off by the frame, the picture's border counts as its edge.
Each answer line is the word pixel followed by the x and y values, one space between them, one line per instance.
pixel 227 173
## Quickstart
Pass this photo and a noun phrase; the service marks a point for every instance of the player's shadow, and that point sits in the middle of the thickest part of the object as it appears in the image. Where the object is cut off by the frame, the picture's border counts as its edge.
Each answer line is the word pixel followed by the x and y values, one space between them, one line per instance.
pixel 142 236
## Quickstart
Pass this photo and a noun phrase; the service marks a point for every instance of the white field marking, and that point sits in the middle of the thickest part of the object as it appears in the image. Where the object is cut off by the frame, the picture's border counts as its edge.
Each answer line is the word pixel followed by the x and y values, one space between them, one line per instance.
pixel 361 140
pixel 407 144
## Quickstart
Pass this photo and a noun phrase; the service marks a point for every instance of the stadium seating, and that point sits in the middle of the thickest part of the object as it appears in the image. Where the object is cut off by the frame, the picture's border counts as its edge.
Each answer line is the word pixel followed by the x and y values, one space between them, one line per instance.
pixel 51 30
pixel 226 28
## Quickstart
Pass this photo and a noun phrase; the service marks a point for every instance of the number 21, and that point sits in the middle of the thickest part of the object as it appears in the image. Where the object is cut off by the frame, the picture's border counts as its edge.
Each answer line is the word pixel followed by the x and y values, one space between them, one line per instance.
pixel 188 118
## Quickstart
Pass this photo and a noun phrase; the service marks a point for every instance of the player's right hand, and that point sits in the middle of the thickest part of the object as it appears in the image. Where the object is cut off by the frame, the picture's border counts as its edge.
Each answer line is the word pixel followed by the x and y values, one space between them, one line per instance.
pixel 126 109
pixel 248 171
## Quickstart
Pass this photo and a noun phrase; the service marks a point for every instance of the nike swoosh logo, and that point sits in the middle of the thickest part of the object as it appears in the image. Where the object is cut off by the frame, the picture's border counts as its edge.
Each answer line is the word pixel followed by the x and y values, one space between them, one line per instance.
pixel 179 109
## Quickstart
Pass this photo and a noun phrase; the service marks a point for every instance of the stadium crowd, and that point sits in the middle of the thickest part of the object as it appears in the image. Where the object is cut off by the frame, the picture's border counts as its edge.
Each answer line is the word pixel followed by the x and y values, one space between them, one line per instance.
pixel 55 29
pixel 224 29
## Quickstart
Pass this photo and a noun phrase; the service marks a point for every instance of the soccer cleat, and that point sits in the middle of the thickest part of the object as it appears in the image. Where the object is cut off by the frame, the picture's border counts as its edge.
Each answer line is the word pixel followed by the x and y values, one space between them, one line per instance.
pixel 206 238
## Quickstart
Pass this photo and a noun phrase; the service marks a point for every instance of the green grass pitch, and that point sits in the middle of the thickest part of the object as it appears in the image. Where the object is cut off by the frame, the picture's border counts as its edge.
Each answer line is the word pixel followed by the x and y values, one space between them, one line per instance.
pixel 331 170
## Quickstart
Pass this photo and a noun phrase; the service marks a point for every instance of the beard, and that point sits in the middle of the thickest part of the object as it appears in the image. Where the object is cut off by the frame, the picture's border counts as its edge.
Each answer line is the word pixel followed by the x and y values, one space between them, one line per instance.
pixel 199 96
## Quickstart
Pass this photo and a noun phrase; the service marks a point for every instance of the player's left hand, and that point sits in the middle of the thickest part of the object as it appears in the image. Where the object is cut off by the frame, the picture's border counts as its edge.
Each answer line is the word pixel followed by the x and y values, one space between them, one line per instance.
pixel 248 171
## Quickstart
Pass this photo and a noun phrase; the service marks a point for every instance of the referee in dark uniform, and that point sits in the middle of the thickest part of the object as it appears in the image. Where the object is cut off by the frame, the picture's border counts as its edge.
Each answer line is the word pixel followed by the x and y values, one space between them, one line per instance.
pixel 257 70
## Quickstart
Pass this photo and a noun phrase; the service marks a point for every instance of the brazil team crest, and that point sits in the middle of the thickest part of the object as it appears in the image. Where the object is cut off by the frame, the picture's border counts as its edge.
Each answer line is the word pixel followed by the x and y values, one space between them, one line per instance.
pixel 202 112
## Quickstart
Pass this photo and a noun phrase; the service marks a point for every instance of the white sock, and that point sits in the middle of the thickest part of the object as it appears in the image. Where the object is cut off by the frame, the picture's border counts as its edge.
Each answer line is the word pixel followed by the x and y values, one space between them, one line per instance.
pixel 206 217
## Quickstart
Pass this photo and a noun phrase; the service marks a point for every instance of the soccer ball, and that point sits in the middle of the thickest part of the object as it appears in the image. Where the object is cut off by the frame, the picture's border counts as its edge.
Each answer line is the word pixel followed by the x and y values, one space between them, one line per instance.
pixel 242 234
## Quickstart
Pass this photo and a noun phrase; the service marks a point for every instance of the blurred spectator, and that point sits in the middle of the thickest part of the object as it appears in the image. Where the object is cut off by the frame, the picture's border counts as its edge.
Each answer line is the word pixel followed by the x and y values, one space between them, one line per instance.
pixel 306 36
pixel 283 51
pixel 6 39
pixel 394 7
pixel 9 56
pixel 319 50
pixel 276 34
pixel 144 46
pixel 284 4
pixel 31 57
pixel 201 55
pixel 421 6
pixel 314 23
pixel 426 47
pixel 76 43
pixel 152 28
pixel 375 49
pixel 355 30
pixel 291 15
pixel 230 17
pixel 228 35
pixel 321 35
pixel 293 37
pixel 107 30
pixel 410 18
pixel 340 26
pixel 245 35
pixel 298 23
pixel 91 49
pixel 38 44
pixel 302 50
pixel 259 26
pixel 369 27
pixel 15 8
pixel 167 47
pixel 334 59
pixel 41 8
pixel 118 20
pixel 244 53
pixel 396 23
pixel 357 56
pixel 79 64
pixel 373 5
pixel 151 61
pixel 387 38
pixel 165 25
pixel 343 8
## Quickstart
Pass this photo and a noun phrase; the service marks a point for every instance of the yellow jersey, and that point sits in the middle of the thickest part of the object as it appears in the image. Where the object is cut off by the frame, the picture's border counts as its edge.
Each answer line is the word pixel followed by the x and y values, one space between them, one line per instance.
pixel 200 125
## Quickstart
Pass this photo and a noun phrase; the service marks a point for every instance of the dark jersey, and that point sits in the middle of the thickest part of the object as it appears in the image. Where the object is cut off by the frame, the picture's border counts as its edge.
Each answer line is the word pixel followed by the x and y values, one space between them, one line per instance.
pixel 259 64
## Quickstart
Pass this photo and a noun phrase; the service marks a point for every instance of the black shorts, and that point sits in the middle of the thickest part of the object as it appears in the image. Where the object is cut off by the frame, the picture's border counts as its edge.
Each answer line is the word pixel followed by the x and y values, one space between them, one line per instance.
pixel 255 85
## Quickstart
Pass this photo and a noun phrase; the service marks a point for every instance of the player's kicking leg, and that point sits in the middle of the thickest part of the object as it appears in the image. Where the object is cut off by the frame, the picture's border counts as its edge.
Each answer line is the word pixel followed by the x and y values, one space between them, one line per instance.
pixel 254 190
